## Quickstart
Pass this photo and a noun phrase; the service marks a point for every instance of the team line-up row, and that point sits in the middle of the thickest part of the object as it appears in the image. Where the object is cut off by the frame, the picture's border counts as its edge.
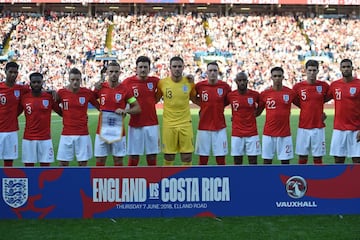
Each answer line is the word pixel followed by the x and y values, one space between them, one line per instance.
pixel 137 96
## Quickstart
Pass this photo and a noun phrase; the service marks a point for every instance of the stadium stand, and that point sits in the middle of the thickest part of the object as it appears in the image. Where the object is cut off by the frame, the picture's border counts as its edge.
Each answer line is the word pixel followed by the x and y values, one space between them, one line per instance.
pixel 54 41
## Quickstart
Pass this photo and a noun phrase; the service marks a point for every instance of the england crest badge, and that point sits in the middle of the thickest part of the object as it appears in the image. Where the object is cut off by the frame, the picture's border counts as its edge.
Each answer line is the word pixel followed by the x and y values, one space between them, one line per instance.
pixel 250 101
pixel 82 100
pixel 17 93
pixel 286 98
pixel 45 103
pixel 352 91
pixel 15 191
pixel 220 91
pixel 150 85
pixel 319 89
pixel 118 97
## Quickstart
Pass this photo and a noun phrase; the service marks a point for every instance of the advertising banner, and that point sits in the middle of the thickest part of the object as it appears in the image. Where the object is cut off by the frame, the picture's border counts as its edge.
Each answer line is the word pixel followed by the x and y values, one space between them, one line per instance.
pixel 116 192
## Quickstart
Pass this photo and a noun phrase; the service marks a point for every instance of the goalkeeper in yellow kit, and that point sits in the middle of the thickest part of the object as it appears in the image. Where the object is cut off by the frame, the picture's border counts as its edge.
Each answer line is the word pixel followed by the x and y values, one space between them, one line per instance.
pixel 177 135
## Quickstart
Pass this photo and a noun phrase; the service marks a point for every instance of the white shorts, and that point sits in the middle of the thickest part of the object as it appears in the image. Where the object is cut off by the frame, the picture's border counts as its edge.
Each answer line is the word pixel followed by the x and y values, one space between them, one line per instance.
pixel 34 151
pixel 103 149
pixel 211 140
pixel 143 139
pixel 310 141
pixel 241 146
pixel 69 145
pixel 9 145
pixel 283 146
pixel 344 144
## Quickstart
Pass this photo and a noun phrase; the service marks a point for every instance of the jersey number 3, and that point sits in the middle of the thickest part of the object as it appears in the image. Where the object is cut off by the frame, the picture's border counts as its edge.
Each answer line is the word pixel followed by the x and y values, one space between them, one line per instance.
pixel 168 93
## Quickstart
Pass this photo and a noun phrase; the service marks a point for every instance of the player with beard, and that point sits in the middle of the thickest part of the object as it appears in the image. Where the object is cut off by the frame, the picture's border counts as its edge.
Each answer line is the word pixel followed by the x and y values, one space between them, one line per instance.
pixel 113 97
pixel 10 108
pixel 75 136
pixel 143 130
pixel 177 134
pixel 37 144
pixel 346 135
pixel 244 137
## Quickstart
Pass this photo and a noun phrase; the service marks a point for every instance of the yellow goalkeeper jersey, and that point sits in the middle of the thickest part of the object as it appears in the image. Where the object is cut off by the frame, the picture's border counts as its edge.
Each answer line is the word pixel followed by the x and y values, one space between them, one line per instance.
pixel 176 97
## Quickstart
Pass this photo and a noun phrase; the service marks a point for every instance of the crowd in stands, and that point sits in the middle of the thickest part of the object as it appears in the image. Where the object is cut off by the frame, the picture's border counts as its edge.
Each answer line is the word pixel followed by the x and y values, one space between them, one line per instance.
pixel 256 43
pixel 334 38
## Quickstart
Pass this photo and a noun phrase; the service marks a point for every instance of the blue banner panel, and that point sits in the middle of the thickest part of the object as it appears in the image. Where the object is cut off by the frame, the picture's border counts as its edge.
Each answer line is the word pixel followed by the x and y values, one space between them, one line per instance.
pixel 101 192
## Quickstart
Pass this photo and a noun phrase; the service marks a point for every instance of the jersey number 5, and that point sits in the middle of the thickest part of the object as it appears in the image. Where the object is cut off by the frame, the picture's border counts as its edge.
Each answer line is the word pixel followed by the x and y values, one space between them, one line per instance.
pixel 303 95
